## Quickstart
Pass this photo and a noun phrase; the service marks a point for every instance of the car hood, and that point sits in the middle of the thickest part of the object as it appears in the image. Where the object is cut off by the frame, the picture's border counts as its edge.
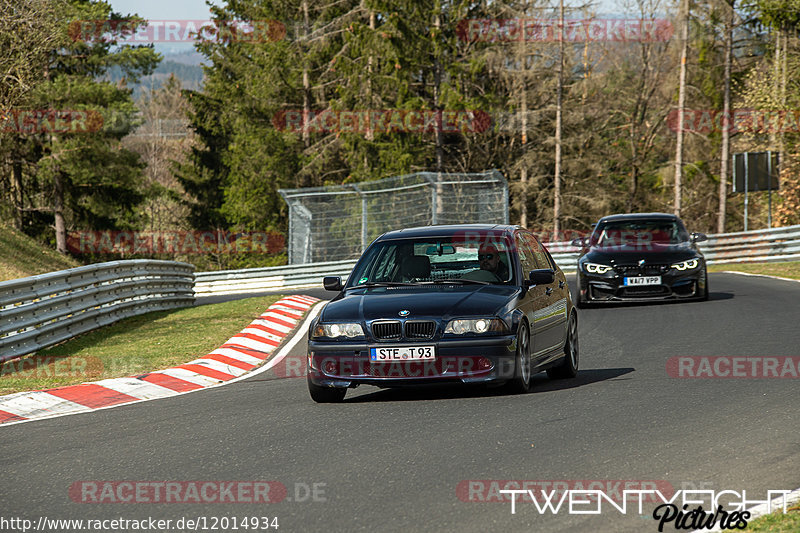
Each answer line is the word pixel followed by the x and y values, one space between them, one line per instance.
pixel 429 302
pixel 653 254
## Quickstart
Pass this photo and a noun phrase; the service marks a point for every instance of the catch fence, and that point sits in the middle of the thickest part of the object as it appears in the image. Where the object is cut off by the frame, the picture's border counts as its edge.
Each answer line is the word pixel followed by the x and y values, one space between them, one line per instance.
pixel 336 223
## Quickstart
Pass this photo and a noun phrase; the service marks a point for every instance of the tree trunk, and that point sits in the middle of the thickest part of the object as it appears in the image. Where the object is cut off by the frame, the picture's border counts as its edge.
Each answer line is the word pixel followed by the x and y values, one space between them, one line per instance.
pixel 58 211
pixel 306 81
pixel 681 105
pixel 726 135
pixel 634 168
pixel 437 80
pixel 523 175
pixel 785 33
pixel 557 176
pixel 17 194
pixel 370 135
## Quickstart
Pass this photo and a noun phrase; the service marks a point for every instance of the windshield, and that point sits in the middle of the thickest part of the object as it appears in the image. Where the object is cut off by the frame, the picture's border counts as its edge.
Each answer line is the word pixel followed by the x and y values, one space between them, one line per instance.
pixel 638 233
pixel 432 260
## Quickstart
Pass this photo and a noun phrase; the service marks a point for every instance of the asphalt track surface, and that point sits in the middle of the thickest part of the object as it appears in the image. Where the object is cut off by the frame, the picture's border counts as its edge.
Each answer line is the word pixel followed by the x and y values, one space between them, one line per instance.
pixel 391 460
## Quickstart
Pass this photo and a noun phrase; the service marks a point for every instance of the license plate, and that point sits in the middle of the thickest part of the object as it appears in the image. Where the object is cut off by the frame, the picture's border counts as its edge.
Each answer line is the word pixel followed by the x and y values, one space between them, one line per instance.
pixel 402 353
pixel 643 280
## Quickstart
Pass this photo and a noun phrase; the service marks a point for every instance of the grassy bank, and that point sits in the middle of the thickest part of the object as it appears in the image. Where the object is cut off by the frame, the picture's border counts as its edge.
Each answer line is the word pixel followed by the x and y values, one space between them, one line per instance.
pixel 788 269
pixel 133 346
pixel 777 522
pixel 22 256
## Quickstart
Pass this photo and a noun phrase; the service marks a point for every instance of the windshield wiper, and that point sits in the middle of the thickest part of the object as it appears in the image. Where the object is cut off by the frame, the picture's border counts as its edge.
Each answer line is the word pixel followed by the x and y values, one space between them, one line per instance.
pixel 371 284
pixel 462 281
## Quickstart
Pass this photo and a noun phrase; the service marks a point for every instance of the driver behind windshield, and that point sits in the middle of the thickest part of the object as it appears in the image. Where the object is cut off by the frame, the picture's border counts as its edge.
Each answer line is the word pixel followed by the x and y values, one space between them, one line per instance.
pixel 489 260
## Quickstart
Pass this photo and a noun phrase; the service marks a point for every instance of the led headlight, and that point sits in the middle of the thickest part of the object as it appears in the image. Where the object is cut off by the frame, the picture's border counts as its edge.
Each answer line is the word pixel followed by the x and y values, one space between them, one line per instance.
pixel 338 330
pixel 594 268
pixel 475 325
pixel 686 265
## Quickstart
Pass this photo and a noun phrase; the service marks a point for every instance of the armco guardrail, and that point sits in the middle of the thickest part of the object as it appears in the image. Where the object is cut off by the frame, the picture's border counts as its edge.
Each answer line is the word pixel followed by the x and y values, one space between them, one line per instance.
pixel 264 279
pixel 777 244
pixel 768 245
pixel 40 311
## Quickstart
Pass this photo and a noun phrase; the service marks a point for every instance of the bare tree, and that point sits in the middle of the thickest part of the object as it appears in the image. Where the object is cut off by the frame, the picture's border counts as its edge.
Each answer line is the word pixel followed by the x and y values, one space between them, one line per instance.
pixel 162 140
pixel 29 32
pixel 726 111
pixel 559 98
pixel 676 206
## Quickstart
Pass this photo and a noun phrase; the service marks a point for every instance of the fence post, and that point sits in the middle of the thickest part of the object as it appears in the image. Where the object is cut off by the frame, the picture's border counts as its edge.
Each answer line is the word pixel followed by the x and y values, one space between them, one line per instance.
pixel 363 217
pixel 434 199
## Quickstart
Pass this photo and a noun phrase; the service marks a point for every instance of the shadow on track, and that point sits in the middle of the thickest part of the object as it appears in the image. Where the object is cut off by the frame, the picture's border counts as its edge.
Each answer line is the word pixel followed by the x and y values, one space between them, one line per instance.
pixel 712 296
pixel 540 383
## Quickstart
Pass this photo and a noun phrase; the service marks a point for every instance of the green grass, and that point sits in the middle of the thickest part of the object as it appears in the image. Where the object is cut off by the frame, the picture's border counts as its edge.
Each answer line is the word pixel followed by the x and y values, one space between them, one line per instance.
pixel 777 522
pixel 788 269
pixel 22 256
pixel 136 345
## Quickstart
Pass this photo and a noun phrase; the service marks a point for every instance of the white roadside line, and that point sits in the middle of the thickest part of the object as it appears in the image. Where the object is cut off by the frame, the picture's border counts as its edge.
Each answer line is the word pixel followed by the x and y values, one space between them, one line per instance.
pixel 757 275
pixel 763 509
pixel 286 348
pixel 278 356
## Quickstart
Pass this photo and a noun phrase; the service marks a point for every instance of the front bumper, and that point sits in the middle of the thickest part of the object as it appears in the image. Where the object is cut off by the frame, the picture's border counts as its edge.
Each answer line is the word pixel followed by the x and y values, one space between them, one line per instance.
pixel 467 360
pixel 675 285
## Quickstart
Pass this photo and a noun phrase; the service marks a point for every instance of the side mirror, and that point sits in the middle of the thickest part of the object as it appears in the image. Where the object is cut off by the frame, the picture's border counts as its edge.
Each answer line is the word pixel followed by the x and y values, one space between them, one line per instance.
pixel 542 276
pixel 332 283
pixel 580 242
pixel 699 237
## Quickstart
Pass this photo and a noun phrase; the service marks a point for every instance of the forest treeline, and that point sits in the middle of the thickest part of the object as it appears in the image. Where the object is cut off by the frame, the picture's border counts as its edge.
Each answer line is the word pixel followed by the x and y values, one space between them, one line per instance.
pixel 339 91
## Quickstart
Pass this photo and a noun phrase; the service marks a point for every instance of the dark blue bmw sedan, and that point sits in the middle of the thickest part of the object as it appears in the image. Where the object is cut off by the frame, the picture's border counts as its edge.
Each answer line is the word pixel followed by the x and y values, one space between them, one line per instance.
pixel 463 303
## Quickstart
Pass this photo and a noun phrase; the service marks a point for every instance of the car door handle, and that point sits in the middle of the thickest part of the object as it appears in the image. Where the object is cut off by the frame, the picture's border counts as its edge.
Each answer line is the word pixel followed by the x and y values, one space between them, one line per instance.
pixel 549 291
pixel 561 284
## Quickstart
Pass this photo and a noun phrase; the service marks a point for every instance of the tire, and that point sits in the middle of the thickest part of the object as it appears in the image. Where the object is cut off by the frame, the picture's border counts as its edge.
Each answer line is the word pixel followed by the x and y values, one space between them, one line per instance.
pixel 568 368
pixel 580 303
pixel 521 381
pixel 704 296
pixel 325 394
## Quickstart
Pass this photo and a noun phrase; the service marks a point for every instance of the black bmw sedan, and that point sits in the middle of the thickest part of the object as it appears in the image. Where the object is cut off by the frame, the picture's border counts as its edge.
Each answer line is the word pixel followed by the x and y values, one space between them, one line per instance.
pixel 640 257
pixel 465 303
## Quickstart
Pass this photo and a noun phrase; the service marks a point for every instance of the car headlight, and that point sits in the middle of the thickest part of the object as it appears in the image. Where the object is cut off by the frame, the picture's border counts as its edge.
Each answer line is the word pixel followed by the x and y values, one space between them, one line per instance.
pixel 349 330
pixel 595 268
pixel 461 326
pixel 686 265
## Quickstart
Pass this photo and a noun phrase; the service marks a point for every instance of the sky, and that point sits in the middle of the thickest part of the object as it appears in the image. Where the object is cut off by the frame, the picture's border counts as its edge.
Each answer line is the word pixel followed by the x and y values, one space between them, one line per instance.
pixel 164 9
pixel 198 10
